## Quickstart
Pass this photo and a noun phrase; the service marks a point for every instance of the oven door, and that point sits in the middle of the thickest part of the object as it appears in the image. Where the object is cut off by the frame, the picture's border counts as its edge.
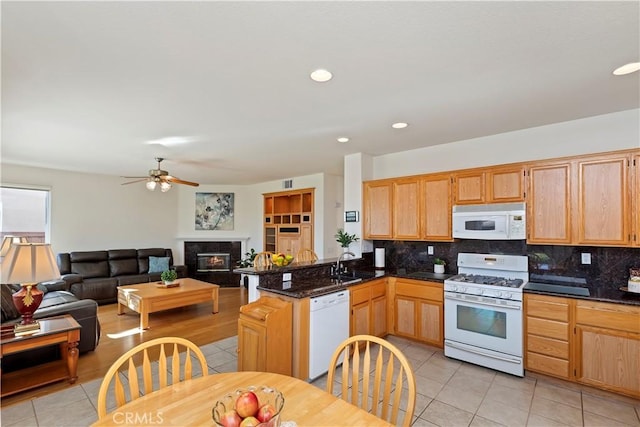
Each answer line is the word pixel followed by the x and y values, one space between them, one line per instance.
pixel 488 323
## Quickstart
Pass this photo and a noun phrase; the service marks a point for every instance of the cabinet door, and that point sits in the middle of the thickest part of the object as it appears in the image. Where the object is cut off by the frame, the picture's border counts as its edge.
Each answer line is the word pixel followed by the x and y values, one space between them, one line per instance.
pixel 436 207
pixel 252 339
pixel 405 209
pixel 635 199
pixel 430 323
pixel 548 218
pixel 604 216
pixel 377 210
pixel 470 188
pixel 505 185
pixel 306 237
pixel 379 316
pixel 405 317
pixel 360 319
pixel 609 359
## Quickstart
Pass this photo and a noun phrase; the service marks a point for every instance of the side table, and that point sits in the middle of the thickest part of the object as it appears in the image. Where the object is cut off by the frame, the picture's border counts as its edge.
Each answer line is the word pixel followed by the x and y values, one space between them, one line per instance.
pixel 61 330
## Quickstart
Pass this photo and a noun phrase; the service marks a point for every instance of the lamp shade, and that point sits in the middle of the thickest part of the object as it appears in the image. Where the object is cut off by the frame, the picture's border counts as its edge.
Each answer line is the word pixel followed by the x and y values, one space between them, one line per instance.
pixel 29 263
pixel 8 241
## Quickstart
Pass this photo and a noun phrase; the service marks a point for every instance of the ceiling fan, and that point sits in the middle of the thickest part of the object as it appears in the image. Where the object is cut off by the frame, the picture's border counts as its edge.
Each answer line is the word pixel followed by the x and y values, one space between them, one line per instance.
pixel 159 177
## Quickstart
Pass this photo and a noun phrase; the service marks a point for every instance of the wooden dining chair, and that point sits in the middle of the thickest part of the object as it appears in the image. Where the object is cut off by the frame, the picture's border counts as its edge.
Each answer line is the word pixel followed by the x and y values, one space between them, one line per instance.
pixel 306 255
pixel 263 260
pixel 375 375
pixel 166 352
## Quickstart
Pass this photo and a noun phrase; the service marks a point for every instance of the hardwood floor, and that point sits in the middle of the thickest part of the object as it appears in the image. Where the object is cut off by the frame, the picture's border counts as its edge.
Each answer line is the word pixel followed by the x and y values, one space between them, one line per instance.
pixel 121 333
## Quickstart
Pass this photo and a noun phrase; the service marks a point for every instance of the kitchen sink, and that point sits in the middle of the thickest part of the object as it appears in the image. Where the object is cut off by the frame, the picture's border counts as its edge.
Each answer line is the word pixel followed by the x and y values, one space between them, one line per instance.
pixel 353 277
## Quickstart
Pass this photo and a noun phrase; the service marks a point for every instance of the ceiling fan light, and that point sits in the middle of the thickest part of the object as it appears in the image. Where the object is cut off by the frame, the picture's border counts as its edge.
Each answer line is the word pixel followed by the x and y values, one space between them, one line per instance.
pixel 165 186
pixel 151 185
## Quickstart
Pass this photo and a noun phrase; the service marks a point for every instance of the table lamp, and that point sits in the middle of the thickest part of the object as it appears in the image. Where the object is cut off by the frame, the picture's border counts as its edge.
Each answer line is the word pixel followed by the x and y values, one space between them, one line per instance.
pixel 28 264
pixel 7 241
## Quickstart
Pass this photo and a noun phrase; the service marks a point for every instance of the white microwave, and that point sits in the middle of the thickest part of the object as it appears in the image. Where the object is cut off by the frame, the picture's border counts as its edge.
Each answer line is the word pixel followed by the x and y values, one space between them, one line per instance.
pixel 504 221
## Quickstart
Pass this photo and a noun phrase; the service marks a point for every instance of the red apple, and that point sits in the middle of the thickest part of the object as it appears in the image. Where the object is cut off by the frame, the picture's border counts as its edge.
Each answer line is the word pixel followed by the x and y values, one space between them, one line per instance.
pixel 230 419
pixel 249 422
pixel 266 412
pixel 247 404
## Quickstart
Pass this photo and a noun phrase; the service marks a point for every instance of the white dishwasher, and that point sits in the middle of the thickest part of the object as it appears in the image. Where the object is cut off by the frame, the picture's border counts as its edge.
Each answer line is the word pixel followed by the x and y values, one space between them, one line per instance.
pixel 328 327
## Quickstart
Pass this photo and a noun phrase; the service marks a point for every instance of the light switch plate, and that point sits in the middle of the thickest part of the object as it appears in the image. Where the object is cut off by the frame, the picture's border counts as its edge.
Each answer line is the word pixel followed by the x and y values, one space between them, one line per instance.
pixel 430 250
pixel 286 285
pixel 286 277
pixel 586 258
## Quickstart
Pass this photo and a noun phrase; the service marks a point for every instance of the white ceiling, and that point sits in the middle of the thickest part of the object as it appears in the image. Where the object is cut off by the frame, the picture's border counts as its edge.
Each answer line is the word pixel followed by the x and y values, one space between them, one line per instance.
pixel 86 84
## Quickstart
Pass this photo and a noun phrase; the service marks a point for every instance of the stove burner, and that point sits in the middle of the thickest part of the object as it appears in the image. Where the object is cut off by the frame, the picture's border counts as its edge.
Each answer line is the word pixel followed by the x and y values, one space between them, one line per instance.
pixel 487 280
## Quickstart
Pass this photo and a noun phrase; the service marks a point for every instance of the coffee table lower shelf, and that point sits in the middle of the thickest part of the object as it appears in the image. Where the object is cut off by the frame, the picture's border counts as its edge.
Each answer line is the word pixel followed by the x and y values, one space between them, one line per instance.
pixel 28 378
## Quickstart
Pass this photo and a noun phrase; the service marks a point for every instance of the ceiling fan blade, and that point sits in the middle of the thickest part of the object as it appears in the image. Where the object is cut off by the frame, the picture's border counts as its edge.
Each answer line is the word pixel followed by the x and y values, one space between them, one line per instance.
pixel 133 182
pixel 174 180
pixel 135 177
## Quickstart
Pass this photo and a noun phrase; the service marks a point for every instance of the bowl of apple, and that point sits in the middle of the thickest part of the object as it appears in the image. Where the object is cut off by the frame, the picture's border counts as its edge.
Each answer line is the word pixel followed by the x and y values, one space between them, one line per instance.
pixel 255 406
pixel 280 260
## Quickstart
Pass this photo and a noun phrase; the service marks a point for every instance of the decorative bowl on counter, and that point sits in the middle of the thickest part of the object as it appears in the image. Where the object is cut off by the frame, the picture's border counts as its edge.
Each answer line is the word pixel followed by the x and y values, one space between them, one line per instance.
pixel 254 406
pixel 280 260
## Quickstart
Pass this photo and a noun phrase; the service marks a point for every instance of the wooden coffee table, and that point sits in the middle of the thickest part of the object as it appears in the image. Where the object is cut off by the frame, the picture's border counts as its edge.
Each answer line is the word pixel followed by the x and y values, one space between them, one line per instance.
pixel 62 330
pixel 145 298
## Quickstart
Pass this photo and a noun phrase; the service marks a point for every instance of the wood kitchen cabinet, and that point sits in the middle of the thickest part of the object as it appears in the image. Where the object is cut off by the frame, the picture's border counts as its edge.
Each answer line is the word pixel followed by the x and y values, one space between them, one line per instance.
pixel 608 346
pixel 435 212
pixel 635 198
pixel 549 204
pixel 288 221
pixel 490 185
pixel 418 310
pixel 265 336
pixel 405 209
pixel 369 308
pixel 378 202
pixel 547 338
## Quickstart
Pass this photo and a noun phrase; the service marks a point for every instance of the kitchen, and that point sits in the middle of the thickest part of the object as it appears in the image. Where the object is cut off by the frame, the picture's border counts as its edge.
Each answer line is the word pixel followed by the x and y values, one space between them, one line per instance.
pixel 594 272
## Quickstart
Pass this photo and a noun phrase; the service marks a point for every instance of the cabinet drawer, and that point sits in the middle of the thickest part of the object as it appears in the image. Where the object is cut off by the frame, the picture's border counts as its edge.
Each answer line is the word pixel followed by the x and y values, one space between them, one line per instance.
pixel 378 289
pixel 433 293
pixel 548 308
pixel 360 294
pixel 548 328
pixel 611 316
pixel 548 346
pixel 548 365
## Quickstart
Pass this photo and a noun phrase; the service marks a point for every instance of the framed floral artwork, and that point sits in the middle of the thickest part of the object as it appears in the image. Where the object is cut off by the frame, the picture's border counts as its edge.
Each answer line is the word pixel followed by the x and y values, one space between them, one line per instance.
pixel 214 211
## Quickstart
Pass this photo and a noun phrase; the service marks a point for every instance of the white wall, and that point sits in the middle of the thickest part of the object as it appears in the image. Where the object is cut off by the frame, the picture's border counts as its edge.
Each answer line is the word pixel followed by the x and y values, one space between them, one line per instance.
pixel 91 212
pixel 609 132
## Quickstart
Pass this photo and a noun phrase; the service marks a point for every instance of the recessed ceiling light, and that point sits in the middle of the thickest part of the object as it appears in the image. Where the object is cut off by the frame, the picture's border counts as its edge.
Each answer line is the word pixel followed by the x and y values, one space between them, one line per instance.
pixel 171 141
pixel 321 76
pixel 399 125
pixel 343 139
pixel 627 69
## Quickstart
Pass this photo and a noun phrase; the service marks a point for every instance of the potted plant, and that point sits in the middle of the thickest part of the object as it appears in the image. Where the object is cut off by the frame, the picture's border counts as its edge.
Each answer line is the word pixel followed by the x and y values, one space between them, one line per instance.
pixel 344 238
pixel 438 265
pixel 168 276
pixel 247 261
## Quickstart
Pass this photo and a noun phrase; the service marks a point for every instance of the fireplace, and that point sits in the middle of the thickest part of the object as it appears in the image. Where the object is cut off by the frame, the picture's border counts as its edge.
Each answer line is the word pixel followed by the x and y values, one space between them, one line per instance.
pixel 213 262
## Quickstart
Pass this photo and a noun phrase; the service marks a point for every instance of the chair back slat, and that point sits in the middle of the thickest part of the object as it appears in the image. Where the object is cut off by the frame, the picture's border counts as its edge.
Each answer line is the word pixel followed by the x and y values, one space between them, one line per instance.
pixel 127 362
pixel 382 389
pixel 263 260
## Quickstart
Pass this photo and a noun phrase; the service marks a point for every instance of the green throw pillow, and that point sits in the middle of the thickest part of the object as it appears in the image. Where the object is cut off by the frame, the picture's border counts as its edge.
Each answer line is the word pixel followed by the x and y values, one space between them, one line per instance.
pixel 158 264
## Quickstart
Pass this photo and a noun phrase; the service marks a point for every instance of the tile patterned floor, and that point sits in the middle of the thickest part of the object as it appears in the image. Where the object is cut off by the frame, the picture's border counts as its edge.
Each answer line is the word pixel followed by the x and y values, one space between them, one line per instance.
pixel 450 393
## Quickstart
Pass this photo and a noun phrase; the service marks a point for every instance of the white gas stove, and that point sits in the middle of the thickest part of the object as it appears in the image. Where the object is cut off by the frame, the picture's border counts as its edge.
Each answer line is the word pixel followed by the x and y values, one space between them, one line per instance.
pixel 483 311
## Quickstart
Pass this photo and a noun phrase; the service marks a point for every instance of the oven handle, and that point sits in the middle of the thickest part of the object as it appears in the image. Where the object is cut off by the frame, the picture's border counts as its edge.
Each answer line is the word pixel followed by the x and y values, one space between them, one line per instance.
pixel 493 356
pixel 512 307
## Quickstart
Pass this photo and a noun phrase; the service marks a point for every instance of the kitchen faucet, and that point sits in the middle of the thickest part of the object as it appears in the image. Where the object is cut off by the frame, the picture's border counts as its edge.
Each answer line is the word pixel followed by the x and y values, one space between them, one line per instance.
pixel 338 267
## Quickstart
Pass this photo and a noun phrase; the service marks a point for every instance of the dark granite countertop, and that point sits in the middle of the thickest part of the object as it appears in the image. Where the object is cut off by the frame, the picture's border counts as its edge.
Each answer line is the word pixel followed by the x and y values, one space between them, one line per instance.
pixel 601 294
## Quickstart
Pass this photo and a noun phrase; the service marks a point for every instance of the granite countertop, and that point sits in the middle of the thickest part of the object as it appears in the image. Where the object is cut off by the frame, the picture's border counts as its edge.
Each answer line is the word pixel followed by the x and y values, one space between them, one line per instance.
pixel 602 294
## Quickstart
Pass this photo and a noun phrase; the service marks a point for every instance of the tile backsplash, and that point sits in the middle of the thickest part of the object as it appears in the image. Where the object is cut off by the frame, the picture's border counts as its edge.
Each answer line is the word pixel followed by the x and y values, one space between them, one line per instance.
pixel 609 267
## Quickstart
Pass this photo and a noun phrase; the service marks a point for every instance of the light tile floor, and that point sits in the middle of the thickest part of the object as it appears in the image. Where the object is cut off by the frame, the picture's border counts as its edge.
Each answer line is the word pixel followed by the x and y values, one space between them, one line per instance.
pixel 450 393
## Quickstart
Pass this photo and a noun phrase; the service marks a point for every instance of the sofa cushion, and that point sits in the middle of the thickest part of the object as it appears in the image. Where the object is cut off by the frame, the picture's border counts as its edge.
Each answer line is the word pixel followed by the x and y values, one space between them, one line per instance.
pixel 158 264
pixel 122 267
pixel 133 279
pixel 9 311
pixel 90 264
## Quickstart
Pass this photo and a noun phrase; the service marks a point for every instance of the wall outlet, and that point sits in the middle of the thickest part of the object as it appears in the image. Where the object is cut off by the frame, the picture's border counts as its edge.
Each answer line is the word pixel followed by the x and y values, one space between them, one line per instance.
pixel 586 258
pixel 286 277
pixel 430 250
pixel 286 285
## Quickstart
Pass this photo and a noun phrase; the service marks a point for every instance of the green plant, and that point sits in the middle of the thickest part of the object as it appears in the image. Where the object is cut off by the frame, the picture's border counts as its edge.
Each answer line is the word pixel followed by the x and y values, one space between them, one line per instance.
pixel 345 239
pixel 439 261
pixel 247 261
pixel 168 275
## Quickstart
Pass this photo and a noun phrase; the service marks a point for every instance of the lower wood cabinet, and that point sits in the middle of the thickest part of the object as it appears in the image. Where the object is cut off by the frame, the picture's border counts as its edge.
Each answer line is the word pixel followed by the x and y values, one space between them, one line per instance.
pixel 369 308
pixel 608 346
pixel 265 336
pixel 418 310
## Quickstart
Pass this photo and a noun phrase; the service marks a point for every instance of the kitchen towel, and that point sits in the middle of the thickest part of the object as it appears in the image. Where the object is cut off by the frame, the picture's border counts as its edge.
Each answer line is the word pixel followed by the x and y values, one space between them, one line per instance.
pixel 379 258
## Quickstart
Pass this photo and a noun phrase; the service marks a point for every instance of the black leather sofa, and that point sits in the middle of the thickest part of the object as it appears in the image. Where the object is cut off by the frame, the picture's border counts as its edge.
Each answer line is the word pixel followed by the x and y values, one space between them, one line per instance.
pixel 55 302
pixel 97 274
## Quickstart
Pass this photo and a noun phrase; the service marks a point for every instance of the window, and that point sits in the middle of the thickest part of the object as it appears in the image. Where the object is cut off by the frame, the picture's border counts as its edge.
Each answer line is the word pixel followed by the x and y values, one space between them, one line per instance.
pixel 25 212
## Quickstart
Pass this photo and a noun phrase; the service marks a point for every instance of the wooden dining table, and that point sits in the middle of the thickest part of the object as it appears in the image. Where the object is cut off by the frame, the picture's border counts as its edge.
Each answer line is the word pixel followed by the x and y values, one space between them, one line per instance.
pixel 189 403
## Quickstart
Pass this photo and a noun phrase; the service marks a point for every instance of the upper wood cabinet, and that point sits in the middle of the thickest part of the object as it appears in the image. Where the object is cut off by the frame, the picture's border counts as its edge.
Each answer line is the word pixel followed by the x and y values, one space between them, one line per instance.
pixel 406 195
pixel 435 209
pixel 288 221
pixel 490 185
pixel 377 199
pixel 548 216
pixel 635 198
